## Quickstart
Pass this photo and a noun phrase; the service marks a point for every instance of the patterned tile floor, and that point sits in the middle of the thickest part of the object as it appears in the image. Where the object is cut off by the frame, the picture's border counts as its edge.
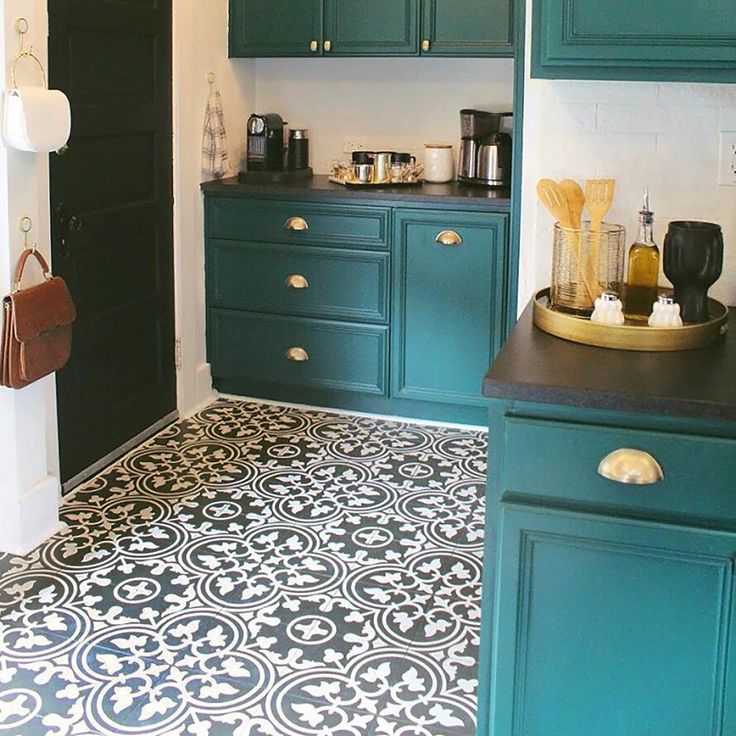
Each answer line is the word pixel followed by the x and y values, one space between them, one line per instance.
pixel 256 571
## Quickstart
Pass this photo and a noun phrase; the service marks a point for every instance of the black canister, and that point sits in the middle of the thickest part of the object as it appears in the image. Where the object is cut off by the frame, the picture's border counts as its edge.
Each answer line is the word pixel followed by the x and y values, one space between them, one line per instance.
pixel 298 157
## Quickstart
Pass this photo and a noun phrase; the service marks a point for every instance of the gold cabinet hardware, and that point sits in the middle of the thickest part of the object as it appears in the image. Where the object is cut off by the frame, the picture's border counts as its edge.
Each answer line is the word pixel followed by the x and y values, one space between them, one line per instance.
pixel 631 467
pixel 314 46
pixel 449 237
pixel 297 355
pixel 296 224
pixel 297 281
pixel 328 46
pixel 426 44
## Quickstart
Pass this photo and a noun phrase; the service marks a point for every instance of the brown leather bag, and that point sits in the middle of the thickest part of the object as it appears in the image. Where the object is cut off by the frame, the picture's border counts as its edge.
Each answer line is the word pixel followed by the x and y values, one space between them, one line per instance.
pixel 37 327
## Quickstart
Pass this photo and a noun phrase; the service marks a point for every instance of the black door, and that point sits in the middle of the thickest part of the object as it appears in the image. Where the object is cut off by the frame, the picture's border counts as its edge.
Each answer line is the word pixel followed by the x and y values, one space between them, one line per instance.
pixel 111 209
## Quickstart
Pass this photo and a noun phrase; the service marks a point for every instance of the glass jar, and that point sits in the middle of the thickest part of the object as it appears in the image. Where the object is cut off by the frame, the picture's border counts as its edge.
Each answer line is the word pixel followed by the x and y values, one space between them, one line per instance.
pixel 585 263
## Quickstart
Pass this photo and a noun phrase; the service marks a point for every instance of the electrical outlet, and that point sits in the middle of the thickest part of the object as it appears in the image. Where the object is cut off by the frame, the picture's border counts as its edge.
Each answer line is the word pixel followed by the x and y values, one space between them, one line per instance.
pixel 727 160
pixel 356 144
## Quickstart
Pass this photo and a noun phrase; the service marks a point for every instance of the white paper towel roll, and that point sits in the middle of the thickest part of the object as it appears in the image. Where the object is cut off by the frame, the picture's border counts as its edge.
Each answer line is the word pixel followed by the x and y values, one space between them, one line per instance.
pixel 37 119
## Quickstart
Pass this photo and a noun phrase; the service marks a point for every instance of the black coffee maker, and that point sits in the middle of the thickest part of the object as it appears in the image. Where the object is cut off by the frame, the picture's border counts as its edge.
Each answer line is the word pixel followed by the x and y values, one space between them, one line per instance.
pixel 265 145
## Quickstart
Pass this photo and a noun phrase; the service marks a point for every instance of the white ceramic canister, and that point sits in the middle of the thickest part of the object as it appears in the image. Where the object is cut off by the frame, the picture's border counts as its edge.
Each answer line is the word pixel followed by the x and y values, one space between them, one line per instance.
pixel 439 163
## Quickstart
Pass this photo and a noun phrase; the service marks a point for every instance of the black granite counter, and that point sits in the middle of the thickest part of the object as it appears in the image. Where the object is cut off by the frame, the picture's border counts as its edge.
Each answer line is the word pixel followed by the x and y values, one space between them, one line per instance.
pixel 319 187
pixel 538 367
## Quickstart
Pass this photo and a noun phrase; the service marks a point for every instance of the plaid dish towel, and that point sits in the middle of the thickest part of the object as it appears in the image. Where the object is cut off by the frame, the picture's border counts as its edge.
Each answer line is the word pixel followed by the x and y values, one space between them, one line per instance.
pixel 215 163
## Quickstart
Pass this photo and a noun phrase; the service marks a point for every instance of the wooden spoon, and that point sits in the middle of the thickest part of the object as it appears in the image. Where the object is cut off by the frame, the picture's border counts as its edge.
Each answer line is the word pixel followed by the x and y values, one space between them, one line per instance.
pixel 553 197
pixel 576 201
pixel 599 195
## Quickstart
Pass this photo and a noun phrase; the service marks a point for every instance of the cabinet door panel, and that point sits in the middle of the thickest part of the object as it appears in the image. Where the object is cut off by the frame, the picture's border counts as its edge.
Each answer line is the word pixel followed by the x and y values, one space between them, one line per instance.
pixel 447 304
pixel 612 628
pixel 470 28
pixel 629 39
pixel 275 28
pixel 372 27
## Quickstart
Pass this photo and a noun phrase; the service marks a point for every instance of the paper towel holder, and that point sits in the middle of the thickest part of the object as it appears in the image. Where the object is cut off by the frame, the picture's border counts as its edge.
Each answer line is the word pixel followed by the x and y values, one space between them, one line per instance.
pixel 21 27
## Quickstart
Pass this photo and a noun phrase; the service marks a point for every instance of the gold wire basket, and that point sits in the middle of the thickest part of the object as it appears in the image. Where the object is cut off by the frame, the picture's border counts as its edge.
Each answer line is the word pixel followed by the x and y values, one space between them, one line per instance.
pixel 586 263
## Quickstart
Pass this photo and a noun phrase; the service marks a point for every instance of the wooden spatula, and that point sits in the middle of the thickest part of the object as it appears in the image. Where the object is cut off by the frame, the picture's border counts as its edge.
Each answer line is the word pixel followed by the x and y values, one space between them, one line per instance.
pixel 599 195
pixel 553 198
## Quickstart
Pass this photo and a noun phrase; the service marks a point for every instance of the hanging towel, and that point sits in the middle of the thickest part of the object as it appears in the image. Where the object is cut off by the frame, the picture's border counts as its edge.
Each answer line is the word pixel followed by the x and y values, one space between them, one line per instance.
pixel 215 163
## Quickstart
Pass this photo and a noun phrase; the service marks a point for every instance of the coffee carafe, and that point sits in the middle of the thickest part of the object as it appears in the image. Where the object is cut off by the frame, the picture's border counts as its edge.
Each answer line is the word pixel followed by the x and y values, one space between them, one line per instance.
pixel 485 150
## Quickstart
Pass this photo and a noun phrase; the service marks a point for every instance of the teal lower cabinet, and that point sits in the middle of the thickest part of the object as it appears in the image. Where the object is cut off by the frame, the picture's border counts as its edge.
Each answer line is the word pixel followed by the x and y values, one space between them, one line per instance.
pixel 385 307
pixel 611 607
pixel 447 301
pixel 668 40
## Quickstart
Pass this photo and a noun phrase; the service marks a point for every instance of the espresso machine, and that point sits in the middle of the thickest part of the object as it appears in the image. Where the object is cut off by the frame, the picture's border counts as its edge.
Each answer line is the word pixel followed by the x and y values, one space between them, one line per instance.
pixel 268 156
pixel 485 148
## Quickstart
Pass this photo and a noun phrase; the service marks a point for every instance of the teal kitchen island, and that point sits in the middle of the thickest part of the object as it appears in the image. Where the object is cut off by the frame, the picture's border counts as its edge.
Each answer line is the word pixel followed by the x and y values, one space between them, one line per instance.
pixel 610 608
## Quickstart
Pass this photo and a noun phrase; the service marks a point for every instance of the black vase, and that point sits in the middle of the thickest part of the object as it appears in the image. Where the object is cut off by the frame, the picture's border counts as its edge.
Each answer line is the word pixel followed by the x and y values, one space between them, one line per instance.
pixel 693 262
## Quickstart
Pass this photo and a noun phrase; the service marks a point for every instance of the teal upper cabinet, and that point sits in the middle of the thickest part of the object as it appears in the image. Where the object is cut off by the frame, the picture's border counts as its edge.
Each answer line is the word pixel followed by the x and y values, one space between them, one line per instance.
pixel 670 40
pixel 275 28
pixel 447 298
pixel 468 28
pixel 371 27
pixel 261 28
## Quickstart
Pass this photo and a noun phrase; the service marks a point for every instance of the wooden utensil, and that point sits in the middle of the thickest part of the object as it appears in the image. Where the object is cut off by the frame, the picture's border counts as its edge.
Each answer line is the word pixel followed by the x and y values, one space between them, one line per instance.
pixel 553 198
pixel 575 200
pixel 599 195
pixel 576 204
pixel 569 214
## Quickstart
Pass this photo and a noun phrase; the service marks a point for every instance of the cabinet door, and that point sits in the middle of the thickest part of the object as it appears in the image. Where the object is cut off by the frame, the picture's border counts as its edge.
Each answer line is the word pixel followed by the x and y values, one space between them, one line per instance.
pixel 275 28
pixel 447 305
pixel 612 628
pixel 371 27
pixel 470 28
pixel 630 39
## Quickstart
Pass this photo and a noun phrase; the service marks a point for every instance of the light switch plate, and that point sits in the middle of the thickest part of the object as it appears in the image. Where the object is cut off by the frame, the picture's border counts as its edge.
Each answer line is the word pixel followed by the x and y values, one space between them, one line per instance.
pixel 727 159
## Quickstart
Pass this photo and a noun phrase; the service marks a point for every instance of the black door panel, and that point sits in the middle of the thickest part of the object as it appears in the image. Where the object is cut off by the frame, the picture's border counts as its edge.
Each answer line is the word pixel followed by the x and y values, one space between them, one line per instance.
pixel 111 204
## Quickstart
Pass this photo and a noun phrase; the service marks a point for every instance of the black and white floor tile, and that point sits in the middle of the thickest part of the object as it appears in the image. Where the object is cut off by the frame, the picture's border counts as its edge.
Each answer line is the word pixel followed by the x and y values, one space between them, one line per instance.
pixel 256 571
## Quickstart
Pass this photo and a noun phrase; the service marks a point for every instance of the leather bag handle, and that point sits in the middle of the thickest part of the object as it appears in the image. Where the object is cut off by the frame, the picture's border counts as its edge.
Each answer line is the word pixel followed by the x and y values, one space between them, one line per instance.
pixel 22 265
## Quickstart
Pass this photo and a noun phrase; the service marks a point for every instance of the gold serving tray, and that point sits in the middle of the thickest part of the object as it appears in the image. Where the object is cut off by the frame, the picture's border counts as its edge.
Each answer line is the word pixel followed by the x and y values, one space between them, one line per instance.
pixel 374 185
pixel 631 336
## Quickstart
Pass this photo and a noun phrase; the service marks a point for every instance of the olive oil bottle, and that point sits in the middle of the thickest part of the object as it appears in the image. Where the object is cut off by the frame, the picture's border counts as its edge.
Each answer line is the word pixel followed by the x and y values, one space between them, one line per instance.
pixel 642 283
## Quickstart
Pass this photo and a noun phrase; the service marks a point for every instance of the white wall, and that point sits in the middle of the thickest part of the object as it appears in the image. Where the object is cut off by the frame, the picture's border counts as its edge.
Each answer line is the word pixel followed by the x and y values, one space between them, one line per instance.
pixel 29 484
pixel 200 46
pixel 665 136
pixel 394 104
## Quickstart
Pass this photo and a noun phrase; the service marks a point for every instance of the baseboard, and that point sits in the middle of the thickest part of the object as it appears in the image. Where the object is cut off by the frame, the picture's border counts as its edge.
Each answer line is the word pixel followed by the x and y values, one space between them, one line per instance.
pixel 205 393
pixel 28 520
pixel 351 413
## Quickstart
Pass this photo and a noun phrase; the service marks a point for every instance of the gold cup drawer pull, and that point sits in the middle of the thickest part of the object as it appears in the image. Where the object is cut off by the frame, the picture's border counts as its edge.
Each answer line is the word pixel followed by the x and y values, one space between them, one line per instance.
pixel 297 355
pixel 328 46
pixel 296 224
pixel 426 45
pixel 449 237
pixel 631 467
pixel 297 281
pixel 314 46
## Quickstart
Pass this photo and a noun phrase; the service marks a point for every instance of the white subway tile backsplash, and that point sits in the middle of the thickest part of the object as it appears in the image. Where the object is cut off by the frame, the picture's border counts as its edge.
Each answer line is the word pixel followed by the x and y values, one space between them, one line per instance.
pixel 625 118
pixel 665 136
pixel 685 119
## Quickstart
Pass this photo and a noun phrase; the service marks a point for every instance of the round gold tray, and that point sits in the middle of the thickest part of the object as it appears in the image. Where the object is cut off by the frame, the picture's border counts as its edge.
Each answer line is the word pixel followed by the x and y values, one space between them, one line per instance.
pixel 630 336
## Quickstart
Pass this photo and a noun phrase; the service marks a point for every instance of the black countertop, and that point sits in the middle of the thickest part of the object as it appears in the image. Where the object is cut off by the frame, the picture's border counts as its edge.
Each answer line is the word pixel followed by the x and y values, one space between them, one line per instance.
pixel 320 187
pixel 538 367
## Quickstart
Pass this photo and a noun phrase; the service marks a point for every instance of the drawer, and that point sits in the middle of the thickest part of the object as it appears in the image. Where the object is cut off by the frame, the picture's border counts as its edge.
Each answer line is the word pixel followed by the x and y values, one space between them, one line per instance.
pixel 560 461
pixel 342 226
pixel 302 281
pixel 298 352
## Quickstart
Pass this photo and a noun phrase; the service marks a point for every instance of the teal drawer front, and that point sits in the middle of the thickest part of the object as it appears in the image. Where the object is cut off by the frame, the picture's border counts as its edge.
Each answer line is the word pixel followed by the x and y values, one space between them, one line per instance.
pixel 560 460
pixel 331 355
pixel 302 281
pixel 342 226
